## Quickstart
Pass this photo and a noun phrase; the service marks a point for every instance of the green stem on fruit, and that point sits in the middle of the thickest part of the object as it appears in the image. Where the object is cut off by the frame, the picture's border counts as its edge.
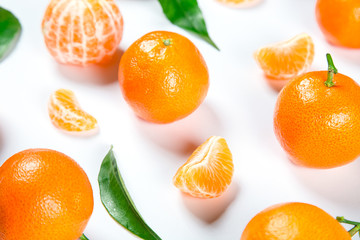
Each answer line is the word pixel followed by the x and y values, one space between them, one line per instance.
pixel 83 237
pixel 167 42
pixel 352 231
pixel 331 71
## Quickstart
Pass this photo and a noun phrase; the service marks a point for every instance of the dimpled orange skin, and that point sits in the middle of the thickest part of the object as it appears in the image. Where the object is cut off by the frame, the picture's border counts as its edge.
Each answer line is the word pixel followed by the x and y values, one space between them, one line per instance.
pixel 295 221
pixel 319 126
pixel 162 83
pixel 339 20
pixel 44 195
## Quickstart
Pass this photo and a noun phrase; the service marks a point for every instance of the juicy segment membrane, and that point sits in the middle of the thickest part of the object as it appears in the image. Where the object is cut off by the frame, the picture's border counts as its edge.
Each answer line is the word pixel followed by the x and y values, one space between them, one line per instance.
pixel 65 113
pixel 208 171
pixel 82 32
pixel 287 59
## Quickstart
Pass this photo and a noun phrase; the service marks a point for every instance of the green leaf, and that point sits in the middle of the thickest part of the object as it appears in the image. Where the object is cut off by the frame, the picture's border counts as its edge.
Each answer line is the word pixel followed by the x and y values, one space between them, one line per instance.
pixel 83 237
pixel 117 200
pixel 10 29
pixel 187 14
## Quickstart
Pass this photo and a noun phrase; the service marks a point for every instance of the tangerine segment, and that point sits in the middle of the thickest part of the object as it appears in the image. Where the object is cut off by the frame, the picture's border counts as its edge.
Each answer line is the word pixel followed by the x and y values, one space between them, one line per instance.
pixel 65 113
pixel 287 59
pixel 208 171
pixel 240 3
pixel 82 32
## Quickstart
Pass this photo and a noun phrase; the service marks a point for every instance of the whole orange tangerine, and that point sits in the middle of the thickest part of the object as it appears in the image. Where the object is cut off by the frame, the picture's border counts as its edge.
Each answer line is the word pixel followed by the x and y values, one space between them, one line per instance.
pixel 317 119
pixel 163 77
pixel 295 221
pixel 82 32
pixel 339 20
pixel 44 195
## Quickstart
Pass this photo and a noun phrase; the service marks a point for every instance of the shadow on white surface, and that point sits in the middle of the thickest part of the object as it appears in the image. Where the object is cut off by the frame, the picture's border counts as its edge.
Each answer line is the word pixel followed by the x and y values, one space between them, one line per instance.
pixel 348 54
pixel 100 74
pixel 185 135
pixel 275 84
pixel 209 210
pixel 340 185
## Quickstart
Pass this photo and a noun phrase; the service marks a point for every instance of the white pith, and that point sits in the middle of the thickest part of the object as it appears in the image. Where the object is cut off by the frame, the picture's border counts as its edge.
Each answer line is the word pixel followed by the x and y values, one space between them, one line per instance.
pixel 76 8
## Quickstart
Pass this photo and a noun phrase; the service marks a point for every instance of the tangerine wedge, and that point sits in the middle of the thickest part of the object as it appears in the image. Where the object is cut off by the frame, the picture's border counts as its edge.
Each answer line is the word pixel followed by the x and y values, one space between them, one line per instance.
pixel 288 59
pixel 208 171
pixel 65 113
pixel 240 3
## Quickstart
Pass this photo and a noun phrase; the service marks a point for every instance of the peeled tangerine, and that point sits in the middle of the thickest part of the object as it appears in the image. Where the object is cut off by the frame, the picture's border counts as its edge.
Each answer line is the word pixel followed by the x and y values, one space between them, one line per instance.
pixel 82 32
pixel 65 113
pixel 208 171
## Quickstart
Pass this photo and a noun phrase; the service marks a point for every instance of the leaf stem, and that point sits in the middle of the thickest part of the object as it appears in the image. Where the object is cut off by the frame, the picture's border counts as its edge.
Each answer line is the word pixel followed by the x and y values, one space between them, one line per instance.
pixel 83 237
pixel 331 71
pixel 352 231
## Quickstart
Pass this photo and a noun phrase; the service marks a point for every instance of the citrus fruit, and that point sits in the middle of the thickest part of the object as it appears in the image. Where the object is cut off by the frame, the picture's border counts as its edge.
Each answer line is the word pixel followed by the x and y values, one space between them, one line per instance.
pixel 240 3
pixel 286 60
pixel 339 21
pixel 82 32
pixel 317 119
pixel 208 171
pixel 65 113
pixel 295 221
pixel 44 195
pixel 163 77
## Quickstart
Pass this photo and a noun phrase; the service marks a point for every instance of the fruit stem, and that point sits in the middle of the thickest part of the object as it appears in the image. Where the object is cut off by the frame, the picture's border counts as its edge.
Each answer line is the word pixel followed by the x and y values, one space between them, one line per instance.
pixel 83 237
pixel 352 231
pixel 331 71
pixel 167 42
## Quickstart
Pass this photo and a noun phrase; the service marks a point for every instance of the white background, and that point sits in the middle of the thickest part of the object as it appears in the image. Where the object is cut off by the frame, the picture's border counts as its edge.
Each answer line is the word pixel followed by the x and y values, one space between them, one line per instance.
pixel 239 106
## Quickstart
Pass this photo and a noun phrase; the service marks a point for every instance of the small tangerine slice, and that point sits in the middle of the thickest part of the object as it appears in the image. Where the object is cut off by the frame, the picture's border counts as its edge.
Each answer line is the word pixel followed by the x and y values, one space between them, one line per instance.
pixel 240 3
pixel 208 171
pixel 65 113
pixel 288 59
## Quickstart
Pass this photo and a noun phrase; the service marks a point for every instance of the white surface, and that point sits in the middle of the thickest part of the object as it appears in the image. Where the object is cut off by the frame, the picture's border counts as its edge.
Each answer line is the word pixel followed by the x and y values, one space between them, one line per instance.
pixel 239 107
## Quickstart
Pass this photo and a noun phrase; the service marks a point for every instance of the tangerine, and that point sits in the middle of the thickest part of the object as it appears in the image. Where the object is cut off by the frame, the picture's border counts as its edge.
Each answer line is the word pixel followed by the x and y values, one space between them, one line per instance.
pixel 295 221
pixel 163 77
pixel 82 32
pixel 208 171
pixel 317 119
pixel 339 21
pixel 44 195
